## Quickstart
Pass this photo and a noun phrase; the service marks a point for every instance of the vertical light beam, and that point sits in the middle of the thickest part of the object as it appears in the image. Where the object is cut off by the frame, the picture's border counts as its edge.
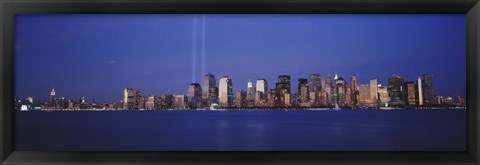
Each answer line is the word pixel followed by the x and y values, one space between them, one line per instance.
pixel 194 47
pixel 204 26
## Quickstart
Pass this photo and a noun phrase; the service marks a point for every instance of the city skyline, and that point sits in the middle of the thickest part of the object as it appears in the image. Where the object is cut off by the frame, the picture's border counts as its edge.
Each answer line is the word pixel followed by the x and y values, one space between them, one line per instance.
pixel 96 56
pixel 314 92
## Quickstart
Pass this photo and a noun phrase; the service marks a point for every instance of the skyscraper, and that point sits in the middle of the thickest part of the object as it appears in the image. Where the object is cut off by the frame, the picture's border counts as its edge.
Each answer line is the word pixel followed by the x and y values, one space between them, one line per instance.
pixel 340 91
pixel 315 87
pixel 348 98
pixel 225 92
pixel 303 91
pixel 241 99
pixel 353 90
pixel 364 94
pixel 194 95
pixel 410 93
pixel 323 98
pixel 210 90
pixel 139 100
pixel 328 89
pixel 374 90
pixel 261 91
pixel 315 83
pixel 285 80
pixel 395 89
pixel 262 85
pixel 383 96
pixel 150 103
pixel 53 99
pixel 428 92
pixel 419 93
pixel 282 88
pixel 29 99
pixel 128 98
pixel 165 102
pixel 250 94
pixel 179 102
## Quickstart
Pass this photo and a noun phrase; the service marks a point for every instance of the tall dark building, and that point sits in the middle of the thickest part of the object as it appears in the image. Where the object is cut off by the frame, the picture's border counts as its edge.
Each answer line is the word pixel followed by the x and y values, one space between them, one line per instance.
pixel 353 90
pixel 396 89
pixel 285 79
pixel 139 101
pixel 340 91
pixel 241 99
pixel 194 95
pixel 303 91
pixel 210 90
pixel 428 92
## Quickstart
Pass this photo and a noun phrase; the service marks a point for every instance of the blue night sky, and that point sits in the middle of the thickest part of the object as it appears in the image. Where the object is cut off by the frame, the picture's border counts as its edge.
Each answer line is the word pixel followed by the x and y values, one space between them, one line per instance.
pixel 97 56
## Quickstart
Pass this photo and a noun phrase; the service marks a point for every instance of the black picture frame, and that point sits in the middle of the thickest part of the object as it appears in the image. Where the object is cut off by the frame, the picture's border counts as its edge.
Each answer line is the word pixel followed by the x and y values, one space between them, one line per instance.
pixel 8 9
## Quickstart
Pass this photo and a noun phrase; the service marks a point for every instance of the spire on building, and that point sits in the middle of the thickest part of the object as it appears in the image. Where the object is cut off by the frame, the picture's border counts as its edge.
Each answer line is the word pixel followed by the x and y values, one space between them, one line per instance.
pixel 53 91
pixel 336 77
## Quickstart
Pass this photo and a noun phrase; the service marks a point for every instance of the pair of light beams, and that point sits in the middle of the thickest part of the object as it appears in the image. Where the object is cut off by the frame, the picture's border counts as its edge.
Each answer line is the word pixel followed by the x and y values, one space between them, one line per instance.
pixel 194 44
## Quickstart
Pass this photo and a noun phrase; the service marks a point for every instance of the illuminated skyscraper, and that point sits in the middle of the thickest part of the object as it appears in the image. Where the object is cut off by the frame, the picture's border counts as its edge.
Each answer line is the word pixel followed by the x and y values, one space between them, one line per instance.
pixel 261 91
pixel 383 96
pixel 29 99
pixel 210 90
pixel 179 102
pixel 165 102
pixel 419 93
pixel 328 89
pixel 53 99
pixel 128 98
pixel 410 93
pixel 364 94
pixel 323 99
pixel 340 91
pixel 303 91
pixel 250 94
pixel 225 92
pixel 315 87
pixel 282 88
pixel 262 85
pixel 150 103
pixel 353 90
pixel 374 90
pixel 348 98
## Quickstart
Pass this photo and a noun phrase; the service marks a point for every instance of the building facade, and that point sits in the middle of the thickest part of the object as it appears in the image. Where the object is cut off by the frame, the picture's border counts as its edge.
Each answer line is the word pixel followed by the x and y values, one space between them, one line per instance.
pixel 225 92
pixel 410 93
pixel 194 95
pixel 303 91
pixel 210 90
pixel 395 89
pixel 128 98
